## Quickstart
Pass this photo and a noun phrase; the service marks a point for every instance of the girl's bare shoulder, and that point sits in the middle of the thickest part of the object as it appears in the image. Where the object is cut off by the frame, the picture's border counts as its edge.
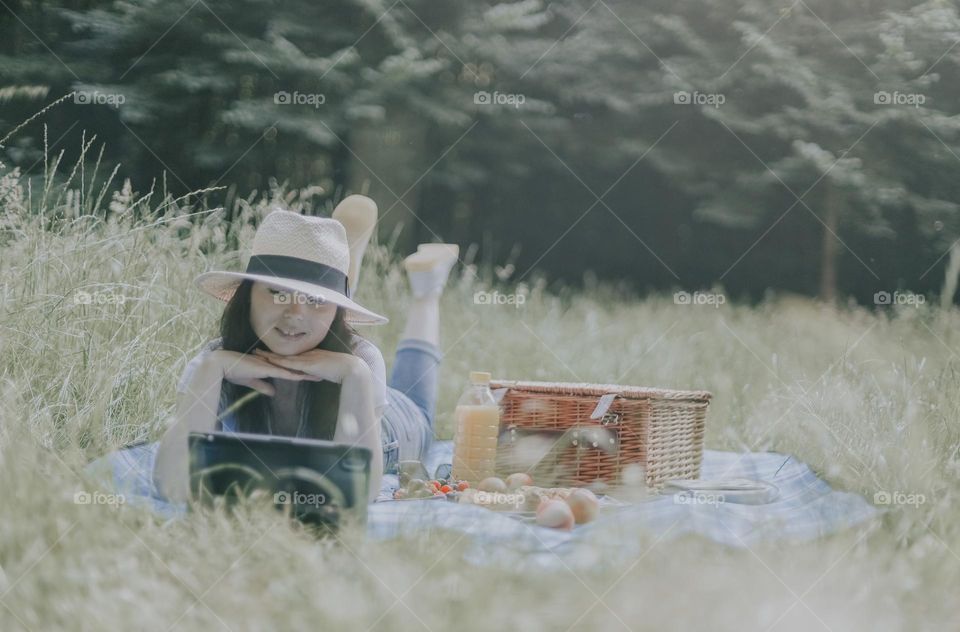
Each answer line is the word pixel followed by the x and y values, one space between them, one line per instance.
pixel 188 370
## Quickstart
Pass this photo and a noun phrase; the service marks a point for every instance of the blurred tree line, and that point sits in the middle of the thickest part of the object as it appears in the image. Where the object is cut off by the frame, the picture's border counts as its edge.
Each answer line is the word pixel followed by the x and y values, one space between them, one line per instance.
pixel 809 145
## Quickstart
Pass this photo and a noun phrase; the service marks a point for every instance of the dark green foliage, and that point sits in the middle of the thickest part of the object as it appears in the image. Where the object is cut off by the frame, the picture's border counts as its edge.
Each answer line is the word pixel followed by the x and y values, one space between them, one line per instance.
pixel 661 193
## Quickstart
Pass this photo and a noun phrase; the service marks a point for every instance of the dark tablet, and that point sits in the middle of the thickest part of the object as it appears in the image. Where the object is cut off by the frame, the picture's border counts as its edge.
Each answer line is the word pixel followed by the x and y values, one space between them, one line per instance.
pixel 320 481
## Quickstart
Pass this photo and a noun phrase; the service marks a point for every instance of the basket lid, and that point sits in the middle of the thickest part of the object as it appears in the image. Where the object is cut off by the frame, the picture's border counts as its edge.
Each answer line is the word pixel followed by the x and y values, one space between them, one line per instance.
pixel 597 390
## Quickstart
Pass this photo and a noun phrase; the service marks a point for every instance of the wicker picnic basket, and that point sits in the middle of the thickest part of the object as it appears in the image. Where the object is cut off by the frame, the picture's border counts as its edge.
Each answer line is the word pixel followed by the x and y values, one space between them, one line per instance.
pixel 660 430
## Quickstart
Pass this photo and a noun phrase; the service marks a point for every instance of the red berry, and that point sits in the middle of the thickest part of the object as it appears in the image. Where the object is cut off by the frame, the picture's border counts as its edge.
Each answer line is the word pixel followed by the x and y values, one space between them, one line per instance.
pixel 445 488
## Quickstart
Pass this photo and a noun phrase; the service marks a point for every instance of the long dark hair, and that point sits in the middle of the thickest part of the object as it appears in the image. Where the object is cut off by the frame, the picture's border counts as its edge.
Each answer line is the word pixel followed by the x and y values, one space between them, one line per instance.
pixel 322 399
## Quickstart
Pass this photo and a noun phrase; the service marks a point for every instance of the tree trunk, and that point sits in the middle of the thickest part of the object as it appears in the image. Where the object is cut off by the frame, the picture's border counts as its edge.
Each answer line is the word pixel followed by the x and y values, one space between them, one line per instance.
pixel 950 277
pixel 828 250
pixel 397 155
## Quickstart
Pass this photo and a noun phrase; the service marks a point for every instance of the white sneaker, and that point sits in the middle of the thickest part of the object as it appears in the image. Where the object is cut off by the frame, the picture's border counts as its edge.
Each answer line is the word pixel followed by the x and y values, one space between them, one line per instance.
pixel 429 267
pixel 358 214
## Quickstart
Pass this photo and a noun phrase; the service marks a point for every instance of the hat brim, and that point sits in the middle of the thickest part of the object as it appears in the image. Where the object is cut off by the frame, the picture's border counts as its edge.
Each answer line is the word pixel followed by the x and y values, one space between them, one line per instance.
pixel 222 285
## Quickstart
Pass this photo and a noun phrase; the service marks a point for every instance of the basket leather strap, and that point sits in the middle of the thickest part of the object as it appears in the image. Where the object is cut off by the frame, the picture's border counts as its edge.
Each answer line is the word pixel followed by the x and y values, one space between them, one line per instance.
pixel 603 405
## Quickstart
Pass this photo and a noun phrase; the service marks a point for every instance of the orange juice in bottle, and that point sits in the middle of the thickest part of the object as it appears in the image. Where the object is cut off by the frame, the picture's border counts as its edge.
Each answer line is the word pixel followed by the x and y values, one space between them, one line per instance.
pixel 477 428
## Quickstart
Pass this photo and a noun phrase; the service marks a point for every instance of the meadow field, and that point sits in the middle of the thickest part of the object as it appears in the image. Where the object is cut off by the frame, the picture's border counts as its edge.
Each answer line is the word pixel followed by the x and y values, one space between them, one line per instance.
pixel 99 315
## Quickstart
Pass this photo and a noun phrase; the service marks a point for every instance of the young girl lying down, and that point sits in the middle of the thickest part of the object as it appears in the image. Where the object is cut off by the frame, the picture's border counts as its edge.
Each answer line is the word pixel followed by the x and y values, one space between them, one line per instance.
pixel 286 334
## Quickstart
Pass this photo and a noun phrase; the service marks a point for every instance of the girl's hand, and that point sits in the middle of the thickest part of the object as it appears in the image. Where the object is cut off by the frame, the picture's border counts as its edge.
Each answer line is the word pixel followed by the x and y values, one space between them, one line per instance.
pixel 332 366
pixel 248 370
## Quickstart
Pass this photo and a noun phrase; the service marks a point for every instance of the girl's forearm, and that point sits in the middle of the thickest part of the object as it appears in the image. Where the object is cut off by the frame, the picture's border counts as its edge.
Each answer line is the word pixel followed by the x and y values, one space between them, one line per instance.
pixel 196 412
pixel 358 424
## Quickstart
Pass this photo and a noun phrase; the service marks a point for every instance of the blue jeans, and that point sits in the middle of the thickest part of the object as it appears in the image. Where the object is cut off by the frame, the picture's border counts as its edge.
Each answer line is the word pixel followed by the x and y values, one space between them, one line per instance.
pixel 407 423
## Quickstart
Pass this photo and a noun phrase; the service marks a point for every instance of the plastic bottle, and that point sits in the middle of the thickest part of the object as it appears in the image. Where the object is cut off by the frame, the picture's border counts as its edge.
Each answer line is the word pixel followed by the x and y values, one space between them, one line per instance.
pixel 477 428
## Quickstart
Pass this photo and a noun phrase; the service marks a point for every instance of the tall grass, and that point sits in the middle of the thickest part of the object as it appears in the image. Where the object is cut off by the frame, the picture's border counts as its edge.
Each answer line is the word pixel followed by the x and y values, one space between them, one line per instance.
pixel 868 399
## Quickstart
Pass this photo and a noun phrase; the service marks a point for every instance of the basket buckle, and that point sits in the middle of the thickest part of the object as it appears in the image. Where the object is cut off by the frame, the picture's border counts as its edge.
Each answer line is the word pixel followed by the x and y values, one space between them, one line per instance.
pixel 610 419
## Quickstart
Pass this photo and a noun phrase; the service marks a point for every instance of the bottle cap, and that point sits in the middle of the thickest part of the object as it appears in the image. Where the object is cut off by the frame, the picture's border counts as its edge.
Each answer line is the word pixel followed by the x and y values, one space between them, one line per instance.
pixel 479 377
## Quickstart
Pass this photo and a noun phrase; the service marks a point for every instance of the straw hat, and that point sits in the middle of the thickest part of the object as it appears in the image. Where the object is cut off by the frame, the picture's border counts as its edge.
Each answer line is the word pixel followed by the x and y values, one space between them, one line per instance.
pixel 301 254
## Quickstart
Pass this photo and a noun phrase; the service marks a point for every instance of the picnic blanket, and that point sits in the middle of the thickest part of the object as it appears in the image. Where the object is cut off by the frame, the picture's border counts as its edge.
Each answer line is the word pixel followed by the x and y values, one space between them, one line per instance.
pixel 806 508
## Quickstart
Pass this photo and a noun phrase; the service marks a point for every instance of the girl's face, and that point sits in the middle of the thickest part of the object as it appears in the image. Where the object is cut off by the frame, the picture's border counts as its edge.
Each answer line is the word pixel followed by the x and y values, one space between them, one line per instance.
pixel 275 312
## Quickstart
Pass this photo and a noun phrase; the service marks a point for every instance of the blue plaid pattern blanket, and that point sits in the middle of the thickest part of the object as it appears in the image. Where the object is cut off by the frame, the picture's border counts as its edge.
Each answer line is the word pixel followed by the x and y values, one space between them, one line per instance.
pixel 806 508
